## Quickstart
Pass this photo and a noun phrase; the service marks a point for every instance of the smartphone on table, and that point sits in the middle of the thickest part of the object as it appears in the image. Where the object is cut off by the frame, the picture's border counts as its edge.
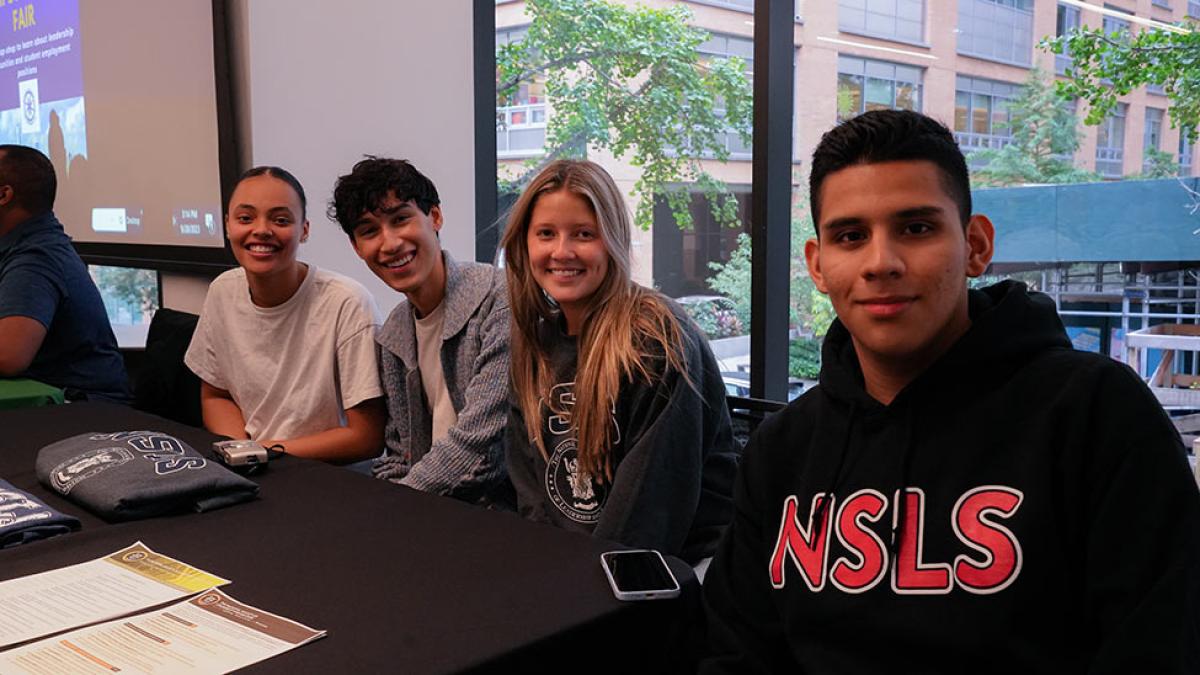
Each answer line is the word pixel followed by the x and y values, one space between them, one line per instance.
pixel 639 575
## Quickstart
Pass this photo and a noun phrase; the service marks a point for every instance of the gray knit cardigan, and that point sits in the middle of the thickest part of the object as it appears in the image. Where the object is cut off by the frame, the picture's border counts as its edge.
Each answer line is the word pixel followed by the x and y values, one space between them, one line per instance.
pixel 468 463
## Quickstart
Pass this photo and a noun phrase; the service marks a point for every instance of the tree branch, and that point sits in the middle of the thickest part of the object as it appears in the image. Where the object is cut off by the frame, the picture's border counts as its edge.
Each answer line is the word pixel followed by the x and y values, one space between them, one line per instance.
pixel 529 72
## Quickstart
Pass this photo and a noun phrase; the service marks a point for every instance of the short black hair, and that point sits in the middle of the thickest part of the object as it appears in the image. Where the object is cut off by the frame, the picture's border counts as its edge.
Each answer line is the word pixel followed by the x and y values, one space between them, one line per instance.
pixel 283 175
pixel 367 185
pixel 891 136
pixel 30 175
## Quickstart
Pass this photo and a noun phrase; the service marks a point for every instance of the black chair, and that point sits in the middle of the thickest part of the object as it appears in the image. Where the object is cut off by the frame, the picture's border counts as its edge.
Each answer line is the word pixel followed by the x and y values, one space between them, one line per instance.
pixel 747 413
pixel 164 385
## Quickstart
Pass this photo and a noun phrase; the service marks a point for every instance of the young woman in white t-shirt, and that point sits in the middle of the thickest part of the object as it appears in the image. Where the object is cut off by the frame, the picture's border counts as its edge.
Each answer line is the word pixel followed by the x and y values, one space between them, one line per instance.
pixel 286 352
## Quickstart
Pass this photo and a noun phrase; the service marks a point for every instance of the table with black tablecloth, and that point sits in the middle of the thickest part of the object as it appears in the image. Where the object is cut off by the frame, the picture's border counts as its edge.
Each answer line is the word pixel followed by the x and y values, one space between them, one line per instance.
pixel 403 581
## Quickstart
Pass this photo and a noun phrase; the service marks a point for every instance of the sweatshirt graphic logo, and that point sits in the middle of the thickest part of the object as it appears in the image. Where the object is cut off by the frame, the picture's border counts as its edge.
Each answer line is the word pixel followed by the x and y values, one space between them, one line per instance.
pixel 17 509
pixel 167 452
pixel 573 491
pixel 991 563
pixel 73 471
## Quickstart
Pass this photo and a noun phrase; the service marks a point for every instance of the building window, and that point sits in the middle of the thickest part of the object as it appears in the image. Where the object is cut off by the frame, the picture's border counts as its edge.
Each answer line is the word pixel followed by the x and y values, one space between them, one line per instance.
pixel 1185 152
pixel 521 123
pixel 682 258
pixel 743 5
pixel 866 84
pixel 1165 4
pixel 1114 25
pixel 1193 9
pixel 981 113
pixel 1110 143
pixel 893 19
pixel 997 30
pixel 1066 23
pixel 1152 136
pixel 719 46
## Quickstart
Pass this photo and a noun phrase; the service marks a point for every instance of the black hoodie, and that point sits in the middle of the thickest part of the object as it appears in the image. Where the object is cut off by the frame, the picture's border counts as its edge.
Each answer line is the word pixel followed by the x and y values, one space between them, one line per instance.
pixel 1050 525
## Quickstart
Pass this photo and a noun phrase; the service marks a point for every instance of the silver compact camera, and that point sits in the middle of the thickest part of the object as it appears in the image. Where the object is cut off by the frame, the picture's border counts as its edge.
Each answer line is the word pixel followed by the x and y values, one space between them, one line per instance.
pixel 240 453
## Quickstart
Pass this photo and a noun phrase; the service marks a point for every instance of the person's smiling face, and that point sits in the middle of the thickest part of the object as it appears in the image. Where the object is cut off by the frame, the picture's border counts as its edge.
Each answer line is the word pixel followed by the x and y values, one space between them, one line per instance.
pixel 894 256
pixel 399 243
pixel 265 225
pixel 566 252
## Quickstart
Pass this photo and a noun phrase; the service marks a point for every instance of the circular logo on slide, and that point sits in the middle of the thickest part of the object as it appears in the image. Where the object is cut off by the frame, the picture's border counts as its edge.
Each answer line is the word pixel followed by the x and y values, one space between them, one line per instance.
pixel 30 107
pixel 209 599
pixel 133 556
pixel 573 490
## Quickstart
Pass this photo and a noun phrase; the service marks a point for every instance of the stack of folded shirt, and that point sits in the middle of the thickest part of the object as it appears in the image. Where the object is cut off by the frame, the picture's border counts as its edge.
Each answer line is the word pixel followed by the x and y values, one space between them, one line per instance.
pixel 138 474
pixel 24 518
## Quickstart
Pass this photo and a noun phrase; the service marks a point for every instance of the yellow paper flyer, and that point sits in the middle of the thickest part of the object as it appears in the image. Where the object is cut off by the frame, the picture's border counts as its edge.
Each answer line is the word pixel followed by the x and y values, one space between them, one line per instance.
pixel 210 633
pixel 129 580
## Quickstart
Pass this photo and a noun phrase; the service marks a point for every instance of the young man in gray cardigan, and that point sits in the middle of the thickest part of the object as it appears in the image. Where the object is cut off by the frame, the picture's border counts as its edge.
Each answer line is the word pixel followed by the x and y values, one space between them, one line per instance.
pixel 444 349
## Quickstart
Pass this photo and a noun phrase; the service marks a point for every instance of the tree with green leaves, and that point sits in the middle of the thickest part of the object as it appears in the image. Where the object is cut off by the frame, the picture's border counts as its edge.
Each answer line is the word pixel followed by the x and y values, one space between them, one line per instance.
pixel 809 310
pixel 629 80
pixel 1045 136
pixel 1107 66
pixel 1157 164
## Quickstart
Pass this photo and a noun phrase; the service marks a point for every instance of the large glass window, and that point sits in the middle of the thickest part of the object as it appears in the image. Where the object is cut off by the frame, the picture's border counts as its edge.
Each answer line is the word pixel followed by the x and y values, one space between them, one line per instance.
pixel 707 264
pixel 896 19
pixel 1110 143
pixel 981 113
pixel 997 30
pixel 606 76
pixel 867 84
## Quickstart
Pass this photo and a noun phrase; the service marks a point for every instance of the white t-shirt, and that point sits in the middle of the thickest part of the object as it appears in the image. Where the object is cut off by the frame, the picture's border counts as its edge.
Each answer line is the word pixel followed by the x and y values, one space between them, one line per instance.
pixel 292 369
pixel 429 361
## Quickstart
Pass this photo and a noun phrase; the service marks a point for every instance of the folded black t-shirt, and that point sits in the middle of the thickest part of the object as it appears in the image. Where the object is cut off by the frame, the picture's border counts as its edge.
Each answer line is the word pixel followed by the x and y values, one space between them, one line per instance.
pixel 138 474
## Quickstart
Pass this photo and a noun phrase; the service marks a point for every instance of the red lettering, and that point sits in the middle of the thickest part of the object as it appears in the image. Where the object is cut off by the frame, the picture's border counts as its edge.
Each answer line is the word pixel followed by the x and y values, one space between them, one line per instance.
pixel 861 542
pixel 1001 552
pixel 807 552
pixel 910 575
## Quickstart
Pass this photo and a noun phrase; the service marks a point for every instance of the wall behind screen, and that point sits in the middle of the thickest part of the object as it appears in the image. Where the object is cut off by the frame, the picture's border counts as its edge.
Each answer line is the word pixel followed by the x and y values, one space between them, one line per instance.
pixel 318 85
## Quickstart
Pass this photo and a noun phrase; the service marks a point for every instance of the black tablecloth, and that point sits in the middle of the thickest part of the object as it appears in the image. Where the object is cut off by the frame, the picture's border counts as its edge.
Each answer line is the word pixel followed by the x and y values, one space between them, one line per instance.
pixel 403 581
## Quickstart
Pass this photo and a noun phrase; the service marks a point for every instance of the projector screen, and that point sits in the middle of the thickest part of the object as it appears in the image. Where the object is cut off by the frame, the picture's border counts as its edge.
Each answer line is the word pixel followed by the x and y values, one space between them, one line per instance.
pixel 123 96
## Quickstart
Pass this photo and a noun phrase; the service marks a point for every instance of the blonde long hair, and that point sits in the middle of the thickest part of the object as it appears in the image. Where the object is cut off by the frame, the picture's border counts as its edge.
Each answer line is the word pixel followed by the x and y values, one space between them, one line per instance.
pixel 625 328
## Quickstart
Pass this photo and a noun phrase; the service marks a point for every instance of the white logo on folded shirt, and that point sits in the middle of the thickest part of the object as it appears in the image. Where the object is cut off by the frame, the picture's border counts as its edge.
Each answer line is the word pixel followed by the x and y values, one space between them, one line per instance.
pixel 16 508
pixel 73 471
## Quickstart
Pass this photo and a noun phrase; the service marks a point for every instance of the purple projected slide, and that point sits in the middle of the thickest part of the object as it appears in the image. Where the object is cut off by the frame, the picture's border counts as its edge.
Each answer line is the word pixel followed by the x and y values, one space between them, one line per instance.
pixel 41 78
pixel 140 165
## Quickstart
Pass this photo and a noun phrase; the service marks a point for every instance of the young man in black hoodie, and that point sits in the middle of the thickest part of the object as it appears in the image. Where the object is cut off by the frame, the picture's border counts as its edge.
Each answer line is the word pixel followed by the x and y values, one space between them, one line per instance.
pixel 963 492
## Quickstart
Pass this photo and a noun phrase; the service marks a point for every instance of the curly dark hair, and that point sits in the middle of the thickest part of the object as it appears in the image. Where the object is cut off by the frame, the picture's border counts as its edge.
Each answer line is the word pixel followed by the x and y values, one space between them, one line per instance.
pixel 891 136
pixel 367 185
